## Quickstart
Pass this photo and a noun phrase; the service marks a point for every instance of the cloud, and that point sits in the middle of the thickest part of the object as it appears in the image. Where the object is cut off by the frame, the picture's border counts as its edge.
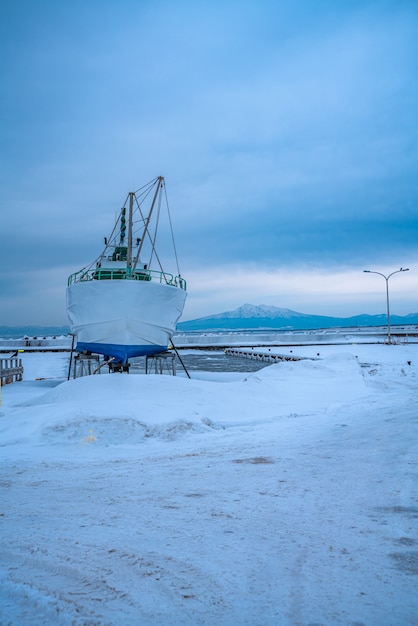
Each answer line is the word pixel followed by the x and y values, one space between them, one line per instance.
pixel 326 291
pixel 287 133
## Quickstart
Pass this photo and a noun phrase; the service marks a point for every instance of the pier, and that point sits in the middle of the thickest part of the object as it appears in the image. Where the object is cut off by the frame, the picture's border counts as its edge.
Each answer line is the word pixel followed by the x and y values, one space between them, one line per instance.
pixel 11 369
pixel 266 357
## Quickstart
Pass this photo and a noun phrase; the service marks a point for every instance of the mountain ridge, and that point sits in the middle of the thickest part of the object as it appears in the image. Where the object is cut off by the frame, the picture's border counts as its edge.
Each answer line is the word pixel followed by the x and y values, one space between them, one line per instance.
pixel 251 317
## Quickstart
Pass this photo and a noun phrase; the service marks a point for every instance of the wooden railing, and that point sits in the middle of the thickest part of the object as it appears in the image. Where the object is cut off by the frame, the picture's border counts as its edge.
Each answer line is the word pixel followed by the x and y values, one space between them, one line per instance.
pixel 11 370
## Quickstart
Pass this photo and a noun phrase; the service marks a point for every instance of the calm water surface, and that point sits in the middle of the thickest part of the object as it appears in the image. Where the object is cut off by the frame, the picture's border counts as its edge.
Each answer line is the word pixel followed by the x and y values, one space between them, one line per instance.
pixel 206 361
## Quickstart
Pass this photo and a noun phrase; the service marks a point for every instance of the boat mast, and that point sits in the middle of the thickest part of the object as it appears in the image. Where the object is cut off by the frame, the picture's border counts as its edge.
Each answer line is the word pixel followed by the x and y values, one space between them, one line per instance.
pixel 129 251
pixel 145 232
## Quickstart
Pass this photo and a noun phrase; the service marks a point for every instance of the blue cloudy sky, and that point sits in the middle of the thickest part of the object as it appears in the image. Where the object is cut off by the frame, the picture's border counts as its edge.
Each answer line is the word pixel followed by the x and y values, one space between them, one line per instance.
pixel 286 132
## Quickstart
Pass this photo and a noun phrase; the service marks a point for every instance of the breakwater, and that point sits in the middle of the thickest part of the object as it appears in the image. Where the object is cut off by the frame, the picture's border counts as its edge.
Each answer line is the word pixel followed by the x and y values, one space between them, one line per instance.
pixel 264 356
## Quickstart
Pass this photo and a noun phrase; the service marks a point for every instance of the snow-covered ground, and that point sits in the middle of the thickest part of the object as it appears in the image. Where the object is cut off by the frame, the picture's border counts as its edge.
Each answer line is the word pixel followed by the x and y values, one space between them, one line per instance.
pixel 285 496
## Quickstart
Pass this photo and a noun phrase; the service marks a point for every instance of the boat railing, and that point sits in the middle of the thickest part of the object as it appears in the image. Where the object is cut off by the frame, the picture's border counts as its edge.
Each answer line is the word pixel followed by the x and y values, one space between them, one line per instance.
pixel 122 274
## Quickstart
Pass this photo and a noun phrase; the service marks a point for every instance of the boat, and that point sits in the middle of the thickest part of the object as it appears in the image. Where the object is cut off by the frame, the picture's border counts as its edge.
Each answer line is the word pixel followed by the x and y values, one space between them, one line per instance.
pixel 124 304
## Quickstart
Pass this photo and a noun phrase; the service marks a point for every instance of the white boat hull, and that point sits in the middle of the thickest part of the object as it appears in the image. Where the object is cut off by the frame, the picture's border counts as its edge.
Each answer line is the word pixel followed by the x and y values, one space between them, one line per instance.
pixel 123 318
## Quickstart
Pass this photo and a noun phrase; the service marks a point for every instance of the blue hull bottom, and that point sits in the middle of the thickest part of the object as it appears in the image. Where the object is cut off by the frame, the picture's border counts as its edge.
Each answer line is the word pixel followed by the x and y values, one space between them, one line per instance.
pixel 120 353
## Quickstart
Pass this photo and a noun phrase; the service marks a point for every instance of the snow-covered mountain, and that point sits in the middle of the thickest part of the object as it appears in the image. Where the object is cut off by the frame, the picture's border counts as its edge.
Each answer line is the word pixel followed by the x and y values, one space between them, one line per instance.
pixel 252 311
pixel 250 316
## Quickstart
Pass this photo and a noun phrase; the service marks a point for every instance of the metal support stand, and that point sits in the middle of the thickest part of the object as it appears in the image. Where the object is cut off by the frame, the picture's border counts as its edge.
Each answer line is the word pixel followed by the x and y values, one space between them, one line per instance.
pixel 71 356
pixel 179 357
pixel 85 364
pixel 118 368
pixel 158 363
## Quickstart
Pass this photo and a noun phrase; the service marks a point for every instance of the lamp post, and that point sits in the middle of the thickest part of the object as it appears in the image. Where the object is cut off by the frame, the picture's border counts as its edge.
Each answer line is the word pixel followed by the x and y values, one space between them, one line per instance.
pixel 387 291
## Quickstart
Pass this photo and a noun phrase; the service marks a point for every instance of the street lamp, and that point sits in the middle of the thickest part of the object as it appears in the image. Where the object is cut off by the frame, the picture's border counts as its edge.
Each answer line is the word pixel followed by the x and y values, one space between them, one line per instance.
pixel 387 291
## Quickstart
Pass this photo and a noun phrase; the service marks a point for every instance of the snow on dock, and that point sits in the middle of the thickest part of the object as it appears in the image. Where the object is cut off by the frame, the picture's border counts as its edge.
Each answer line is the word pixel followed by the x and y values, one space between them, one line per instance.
pixel 264 355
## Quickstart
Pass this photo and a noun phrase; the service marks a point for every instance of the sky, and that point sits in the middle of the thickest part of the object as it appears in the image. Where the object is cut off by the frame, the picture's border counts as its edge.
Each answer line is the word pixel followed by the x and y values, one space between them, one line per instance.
pixel 286 133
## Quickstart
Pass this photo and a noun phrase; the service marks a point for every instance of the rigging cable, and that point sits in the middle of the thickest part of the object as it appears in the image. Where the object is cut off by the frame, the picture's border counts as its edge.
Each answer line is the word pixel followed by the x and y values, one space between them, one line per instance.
pixel 153 240
pixel 171 230
pixel 153 250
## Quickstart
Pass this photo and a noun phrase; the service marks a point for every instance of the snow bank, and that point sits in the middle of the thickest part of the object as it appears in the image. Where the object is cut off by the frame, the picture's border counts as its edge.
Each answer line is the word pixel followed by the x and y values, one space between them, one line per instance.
pixel 288 496
pixel 110 409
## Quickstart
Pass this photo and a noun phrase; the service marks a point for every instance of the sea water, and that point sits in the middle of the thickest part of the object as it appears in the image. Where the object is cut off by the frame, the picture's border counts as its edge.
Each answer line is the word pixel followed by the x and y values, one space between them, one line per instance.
pixel 204 361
